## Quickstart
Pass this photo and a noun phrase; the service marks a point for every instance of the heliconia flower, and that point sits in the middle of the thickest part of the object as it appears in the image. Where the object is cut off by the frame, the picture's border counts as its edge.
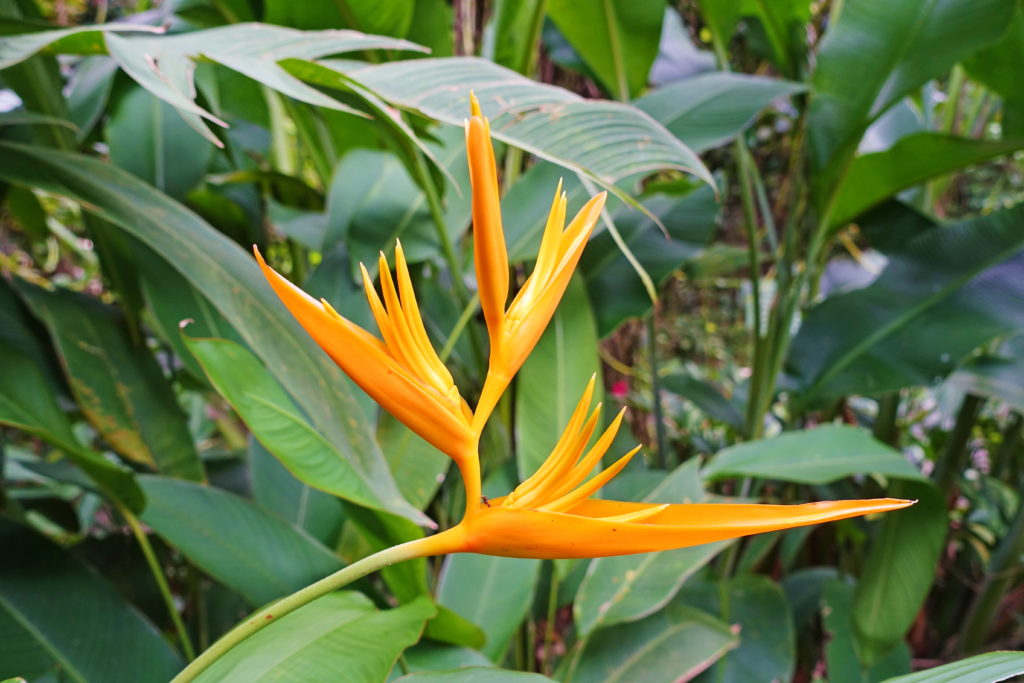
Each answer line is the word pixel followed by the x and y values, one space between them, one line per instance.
pixel 402 372
pixel 514 331
pixel 552 515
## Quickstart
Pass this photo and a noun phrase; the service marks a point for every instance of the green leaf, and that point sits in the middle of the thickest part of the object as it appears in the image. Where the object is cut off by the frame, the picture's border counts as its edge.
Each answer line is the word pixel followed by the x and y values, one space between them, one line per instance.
pixel 77 40
pixel 226 275
pixel 277 422
pixel 340 632
pixel 472 674
pixel 449 627
pixel 256 553
pixel 553 378
pixel 708 397
pixel 54 608
pixel 941 296
pixel 673 645
pixel 552 123
pixel 31 118
pixel 997 66
pixel 840 648
pixel 117 383
pixel 277 490
pixel 757 608
pixel 781 22
pixel 618 39
pixel 899 570
pixel 494 593
pixel 630 587
pixel 148 138
pixel 893 49
pixel 382 17
pixel 423 468
pixel 814 456
pixel 912 160
pixel 998 378
pixel 690 221
pixel 711 109
pixel 510 38
pixel 987 668
pixel 430 657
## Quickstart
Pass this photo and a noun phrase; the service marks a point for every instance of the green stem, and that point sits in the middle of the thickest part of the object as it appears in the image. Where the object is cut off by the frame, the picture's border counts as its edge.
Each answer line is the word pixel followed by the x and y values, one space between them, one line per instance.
pixel 1009 449
pixel 161 581
pixel 549 628
pixel 954 458
pixel 453 337
pixel 419 548
pixel 885 423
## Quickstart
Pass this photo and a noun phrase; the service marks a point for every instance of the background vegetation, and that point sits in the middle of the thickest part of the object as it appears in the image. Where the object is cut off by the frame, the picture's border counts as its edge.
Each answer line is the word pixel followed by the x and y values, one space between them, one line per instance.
pixel 827 303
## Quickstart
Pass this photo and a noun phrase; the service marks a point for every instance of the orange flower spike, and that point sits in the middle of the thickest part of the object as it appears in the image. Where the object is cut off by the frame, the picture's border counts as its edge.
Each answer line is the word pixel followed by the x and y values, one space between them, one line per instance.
pixel 514 331
pixel 551 514
pixel 402 372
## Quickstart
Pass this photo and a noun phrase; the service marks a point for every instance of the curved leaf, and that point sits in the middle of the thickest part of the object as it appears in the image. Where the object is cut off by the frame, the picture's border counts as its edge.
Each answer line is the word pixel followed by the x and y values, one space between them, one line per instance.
pixel 998 378
pixel 987 668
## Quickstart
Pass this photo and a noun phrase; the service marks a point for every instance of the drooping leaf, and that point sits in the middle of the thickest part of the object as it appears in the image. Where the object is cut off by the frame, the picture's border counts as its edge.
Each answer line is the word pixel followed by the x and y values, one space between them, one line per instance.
pixel 340 632
pixel 914 159
pixel 52 607
pixel 117 382
pixel 948 291
pixel 814 456
pixel 492 592
pixel 898 572
pixel 618 39
pixel 676 644
pixel 630 587
pixel 994 377
pixel 255 552
pixel 987 668
pixel 553 378
pixel 893 49
pixel 276 421
pixel 232 282
pixel 710 109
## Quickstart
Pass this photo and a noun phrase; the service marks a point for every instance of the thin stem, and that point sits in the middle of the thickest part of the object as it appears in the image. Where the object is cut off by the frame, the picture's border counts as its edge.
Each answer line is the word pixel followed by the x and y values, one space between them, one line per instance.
pixel 954 458
pixel 549 628
pixel 659 418
pixel 161 581
pixel 422 547
pixel 885 429
pixel 460 325
pixel 1010 447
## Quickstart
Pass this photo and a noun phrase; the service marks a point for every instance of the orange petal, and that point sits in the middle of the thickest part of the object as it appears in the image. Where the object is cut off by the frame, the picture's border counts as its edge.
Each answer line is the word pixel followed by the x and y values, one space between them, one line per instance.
pixel 488 238
pixel 515 532
pixel 366 360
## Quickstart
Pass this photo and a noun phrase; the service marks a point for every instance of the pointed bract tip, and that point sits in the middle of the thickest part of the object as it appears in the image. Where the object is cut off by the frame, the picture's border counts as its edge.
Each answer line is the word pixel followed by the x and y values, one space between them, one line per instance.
pixel 474 104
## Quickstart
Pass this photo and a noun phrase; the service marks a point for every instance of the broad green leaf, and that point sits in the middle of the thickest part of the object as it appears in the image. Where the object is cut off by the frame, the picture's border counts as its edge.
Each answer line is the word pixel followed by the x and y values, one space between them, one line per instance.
pixel 912 160
pixel 277 422
pixel 630 587
pixel 27 402
pixel 840 648
pixel 673 645
pixel 423 468
pixel 148 138
pixel 277 490
pixel 553 379
pixel 117 382
pixel 987 668
pixel 941 296
pixel 494 593
pixel 552 123
pixel 473 674
pixel 804 589
pixel 690 221
pixel 893 49
pixel 899 569
pixel 450 627
pixel 757 607
pixel 711 109
pixel 61 610
pixel 433 26
pixel 510 38
pixel 998 378
pixel 236 542
pixel 230 279
pixel 426 656
pixel 76 40
pixel 618 39
pixel 782 23
pixel 382 17
pixel 340 632
pixel 88 90
pixel 707 397
pixel 997 66
pixel 814 456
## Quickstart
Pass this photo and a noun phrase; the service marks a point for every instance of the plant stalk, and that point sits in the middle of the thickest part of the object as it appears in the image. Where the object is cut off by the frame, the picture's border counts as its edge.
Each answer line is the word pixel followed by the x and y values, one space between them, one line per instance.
pixel 954 459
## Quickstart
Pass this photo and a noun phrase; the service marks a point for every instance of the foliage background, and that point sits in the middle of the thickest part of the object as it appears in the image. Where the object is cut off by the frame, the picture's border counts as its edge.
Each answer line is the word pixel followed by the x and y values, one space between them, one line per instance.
pixel 827 302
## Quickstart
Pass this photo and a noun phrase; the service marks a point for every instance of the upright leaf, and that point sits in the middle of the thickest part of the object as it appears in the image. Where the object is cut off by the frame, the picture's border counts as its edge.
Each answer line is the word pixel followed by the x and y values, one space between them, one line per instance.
pixel 997 65
pixel 618 39
pixel 67 614
pixel 117 383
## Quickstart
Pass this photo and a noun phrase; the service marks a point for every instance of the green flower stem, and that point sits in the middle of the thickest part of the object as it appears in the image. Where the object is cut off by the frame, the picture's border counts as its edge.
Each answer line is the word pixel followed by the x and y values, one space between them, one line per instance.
pixel 161 580
pixel 419 548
